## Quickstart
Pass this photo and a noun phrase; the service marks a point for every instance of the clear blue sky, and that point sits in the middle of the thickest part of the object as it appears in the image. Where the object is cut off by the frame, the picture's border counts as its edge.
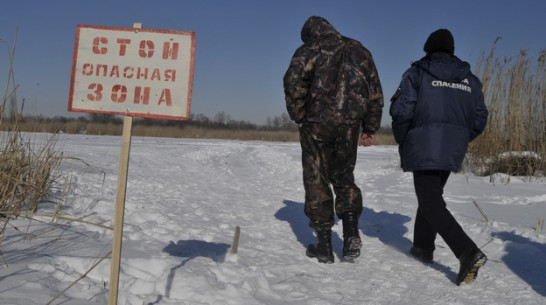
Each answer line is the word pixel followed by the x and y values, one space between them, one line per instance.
pixel 243 47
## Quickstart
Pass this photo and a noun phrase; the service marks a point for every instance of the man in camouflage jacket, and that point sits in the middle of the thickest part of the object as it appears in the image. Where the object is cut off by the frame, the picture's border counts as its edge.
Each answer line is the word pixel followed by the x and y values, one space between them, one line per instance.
pixel 334 95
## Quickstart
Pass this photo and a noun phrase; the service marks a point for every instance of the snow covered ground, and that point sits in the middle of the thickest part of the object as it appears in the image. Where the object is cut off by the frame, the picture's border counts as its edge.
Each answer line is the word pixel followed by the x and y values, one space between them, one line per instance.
pixel 185 198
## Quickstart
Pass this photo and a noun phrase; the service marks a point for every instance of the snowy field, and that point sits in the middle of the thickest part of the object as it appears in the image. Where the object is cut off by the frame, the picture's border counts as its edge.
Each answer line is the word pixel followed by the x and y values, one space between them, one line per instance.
pixel 185 198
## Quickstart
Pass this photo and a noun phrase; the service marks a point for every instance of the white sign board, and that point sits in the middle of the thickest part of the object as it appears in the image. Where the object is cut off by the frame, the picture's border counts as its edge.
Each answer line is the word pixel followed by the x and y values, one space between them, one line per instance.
pixel 133 72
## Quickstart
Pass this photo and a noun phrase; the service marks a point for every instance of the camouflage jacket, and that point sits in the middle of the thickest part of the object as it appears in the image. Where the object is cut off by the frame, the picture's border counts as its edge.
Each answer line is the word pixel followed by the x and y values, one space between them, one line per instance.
pixel 332 80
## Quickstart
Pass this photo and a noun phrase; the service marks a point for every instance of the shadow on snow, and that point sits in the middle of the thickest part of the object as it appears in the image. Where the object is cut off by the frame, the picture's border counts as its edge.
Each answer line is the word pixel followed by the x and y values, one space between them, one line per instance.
pixel 525 258
pixel 386 227
pixel 190 249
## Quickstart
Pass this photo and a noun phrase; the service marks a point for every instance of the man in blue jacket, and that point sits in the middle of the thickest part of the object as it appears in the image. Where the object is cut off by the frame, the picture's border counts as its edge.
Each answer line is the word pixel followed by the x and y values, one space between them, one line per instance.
pixel 436 111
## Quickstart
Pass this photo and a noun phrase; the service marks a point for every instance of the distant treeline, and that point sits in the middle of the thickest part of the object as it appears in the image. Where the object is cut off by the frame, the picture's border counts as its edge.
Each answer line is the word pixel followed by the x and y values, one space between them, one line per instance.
pixel 220 120
pixel 221 126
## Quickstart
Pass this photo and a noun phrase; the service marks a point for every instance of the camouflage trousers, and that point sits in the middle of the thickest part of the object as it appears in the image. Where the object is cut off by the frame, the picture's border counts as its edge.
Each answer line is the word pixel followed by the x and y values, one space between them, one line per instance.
pixel 328 159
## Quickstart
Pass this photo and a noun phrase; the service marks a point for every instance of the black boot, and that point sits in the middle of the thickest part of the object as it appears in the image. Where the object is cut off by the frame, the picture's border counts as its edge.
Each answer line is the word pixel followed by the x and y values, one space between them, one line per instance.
pixel 471 260
pixel 351 237
pixel 323 249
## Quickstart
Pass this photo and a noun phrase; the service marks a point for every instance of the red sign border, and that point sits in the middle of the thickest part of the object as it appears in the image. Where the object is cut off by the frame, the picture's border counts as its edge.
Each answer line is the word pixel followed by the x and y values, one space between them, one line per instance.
pixel 133 114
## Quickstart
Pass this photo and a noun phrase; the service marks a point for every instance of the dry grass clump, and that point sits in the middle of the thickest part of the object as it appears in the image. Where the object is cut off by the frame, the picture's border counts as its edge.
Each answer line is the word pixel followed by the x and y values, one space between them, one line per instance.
pixel 27 173
pixel 514 141
pixel 27 170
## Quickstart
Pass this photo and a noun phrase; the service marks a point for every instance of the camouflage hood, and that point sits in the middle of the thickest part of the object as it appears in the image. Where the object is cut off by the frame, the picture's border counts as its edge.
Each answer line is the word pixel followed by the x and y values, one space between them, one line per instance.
pixel 332 79
pixel 317 27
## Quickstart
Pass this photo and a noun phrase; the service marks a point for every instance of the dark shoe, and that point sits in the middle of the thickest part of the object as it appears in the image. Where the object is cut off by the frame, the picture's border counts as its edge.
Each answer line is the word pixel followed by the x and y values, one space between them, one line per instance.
pixel 351 237
pixel 351 247
pixel 471 260
pixel 322 251
pixel 422 255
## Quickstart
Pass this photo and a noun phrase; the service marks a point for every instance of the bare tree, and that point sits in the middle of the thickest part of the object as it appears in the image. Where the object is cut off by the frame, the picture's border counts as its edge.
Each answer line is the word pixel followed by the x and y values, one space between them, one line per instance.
pixel 222 118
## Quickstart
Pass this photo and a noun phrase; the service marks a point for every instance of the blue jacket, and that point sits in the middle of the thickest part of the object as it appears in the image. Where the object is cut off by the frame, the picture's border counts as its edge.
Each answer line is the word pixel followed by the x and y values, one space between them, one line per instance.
pixel 436 111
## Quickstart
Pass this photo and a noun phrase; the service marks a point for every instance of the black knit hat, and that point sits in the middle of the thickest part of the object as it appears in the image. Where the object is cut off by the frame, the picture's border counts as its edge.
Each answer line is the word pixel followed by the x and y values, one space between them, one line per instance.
pixel 440 40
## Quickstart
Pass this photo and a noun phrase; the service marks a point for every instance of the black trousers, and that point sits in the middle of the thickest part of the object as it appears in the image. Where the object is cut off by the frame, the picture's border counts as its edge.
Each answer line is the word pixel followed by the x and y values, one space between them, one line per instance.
pixel 433 217
pixel 328 159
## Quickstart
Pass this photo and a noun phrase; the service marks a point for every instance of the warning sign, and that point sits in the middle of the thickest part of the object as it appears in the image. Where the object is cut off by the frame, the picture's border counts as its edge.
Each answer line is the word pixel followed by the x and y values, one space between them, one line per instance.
pixel 133 72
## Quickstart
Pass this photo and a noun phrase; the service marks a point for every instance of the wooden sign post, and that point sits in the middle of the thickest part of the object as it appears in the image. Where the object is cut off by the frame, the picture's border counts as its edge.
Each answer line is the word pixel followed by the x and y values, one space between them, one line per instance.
pixel 120 210
pixel 119 215
pixel 131 72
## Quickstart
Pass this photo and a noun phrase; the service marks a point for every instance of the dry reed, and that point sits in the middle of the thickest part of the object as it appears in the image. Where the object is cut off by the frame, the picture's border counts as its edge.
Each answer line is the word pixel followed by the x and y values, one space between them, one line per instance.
pixel 27 169
pixel 514 141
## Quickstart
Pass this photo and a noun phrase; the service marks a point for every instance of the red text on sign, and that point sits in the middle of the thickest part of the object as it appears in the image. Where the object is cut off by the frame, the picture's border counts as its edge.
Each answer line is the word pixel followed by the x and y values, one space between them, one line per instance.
pixel 119 94
pixel 146 48
pixel 128 72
